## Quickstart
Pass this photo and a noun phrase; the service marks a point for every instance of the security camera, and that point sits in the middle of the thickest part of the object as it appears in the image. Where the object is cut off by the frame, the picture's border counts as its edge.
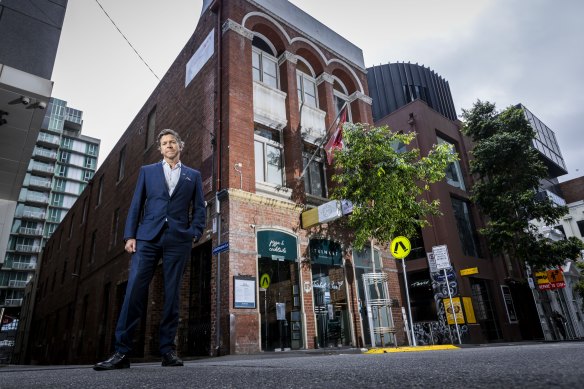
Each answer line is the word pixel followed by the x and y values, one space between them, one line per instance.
pixel 25 100
pixel 42 105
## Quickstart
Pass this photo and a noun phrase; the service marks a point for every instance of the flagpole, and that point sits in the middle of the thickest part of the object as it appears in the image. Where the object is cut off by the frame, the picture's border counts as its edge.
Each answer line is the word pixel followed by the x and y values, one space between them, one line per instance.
pixel 325 137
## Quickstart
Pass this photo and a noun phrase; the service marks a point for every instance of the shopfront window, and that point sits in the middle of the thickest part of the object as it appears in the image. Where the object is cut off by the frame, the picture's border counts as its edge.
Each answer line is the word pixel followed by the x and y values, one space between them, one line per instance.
pixel 279 297
pixel 329 290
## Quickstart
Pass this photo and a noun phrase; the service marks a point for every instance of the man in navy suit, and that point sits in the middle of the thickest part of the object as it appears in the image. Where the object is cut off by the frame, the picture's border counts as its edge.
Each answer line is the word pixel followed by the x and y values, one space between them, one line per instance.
pixel 166 215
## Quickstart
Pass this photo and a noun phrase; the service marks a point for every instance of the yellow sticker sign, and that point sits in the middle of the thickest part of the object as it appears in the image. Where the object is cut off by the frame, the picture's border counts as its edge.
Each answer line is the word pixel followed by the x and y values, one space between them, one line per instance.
pixel 469 270
pixel 265 281
pixel 400 247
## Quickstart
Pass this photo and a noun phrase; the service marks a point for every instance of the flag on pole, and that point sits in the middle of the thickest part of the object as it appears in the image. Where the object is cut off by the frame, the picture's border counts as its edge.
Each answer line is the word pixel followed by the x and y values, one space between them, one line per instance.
pixel 335 142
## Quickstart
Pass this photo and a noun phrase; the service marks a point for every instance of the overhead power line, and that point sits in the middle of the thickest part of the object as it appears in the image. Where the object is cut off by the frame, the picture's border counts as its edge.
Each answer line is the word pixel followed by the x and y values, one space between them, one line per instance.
pixel 126 39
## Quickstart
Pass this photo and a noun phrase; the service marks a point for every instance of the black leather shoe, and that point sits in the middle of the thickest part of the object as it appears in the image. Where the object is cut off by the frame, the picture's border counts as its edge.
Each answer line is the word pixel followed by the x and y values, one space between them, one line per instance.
pixel 116 361
pixel 171 359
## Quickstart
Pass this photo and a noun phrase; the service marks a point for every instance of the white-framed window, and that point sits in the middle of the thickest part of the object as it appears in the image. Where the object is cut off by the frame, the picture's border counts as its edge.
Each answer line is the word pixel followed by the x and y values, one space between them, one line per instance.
pixel 64 157
pixel 57 199
pixel 341 96
pixel 67 143
pixel 269 167
pixel 61 170
pixel 306 84
pixel 264 67
pixel 59 185
pixel 454 175
pixel 54 215
pixel 306 89
pixel 314 176
pixel 92 149
pixel 90 162
pixel 87 175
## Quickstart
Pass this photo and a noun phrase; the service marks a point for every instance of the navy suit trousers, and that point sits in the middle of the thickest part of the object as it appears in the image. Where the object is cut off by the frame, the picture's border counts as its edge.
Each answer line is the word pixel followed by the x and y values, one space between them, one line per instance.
pixel 174 256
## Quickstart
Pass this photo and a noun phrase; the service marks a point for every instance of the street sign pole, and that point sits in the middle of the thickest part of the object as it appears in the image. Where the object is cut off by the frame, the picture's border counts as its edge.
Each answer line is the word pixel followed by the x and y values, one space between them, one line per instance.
pixel 413 335
pixel 440 254
pixel 452 306
pixel 400 248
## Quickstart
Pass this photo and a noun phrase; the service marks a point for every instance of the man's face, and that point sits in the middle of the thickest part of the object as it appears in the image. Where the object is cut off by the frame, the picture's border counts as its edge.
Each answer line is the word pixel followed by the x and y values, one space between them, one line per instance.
pixel 169 147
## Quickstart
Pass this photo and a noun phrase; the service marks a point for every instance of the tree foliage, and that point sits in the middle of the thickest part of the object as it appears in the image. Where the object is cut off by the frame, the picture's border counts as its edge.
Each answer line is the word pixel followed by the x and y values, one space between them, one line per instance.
pixel 385 182
pixel 509 171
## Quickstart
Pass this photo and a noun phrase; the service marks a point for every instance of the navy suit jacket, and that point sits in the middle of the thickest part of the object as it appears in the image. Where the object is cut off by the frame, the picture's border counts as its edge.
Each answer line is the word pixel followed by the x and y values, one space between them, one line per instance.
pixel 152 205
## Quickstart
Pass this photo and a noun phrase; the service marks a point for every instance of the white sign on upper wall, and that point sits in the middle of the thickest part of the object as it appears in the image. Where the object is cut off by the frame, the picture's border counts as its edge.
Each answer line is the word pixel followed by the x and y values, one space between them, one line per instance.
pixel 201 56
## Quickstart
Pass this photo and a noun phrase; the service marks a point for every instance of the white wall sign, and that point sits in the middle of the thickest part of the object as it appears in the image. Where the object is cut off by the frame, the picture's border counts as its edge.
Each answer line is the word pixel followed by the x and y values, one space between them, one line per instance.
pixel 441 257
pixel 201 56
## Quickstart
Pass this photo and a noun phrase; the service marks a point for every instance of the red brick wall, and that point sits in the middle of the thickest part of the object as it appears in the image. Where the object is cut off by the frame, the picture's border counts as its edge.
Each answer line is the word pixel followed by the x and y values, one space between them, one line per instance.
pixel 209 104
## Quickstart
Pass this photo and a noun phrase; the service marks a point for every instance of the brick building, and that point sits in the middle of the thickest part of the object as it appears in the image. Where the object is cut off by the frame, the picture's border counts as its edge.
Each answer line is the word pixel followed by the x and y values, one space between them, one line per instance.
pixel 411 97
pixel 253 93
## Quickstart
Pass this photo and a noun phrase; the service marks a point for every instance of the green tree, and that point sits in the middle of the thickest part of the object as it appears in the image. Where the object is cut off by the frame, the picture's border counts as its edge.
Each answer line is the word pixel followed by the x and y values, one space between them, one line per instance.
pixel 509 171
pixel 579 287
pixel 385 182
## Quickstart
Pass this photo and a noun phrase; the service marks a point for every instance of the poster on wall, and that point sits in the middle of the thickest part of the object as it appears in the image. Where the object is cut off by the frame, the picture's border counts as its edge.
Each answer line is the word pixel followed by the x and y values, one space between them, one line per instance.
pixel 508 299
pixel 457 309
pixel 244 288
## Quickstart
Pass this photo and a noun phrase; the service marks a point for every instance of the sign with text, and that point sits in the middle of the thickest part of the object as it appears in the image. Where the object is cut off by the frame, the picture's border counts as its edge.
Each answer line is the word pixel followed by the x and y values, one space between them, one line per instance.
pixel 451 311
pixel 441 257
pixel 222 247
pixel 277 245
pixel 468 271
pixel 550 279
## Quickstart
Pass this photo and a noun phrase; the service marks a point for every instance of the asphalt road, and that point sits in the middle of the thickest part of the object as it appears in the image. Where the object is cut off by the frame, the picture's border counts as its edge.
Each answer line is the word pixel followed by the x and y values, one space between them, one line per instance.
pixel 558 365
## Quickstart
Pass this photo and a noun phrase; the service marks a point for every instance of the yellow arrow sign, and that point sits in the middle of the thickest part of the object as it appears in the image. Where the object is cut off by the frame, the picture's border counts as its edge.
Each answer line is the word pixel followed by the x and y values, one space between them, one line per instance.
pixel 265 281
pixel 400 247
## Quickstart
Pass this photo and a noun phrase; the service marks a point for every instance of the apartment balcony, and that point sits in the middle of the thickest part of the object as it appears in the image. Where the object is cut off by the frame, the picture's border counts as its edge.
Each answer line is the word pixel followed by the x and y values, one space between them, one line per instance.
pixel 34 215
pixel 269 106
pixel 48 140
pixel 39 184
pixel 17 284
pixel 25 248
pixel 552 196
pixel 42 169
pixel 36 199
pixel 19 266
pixel 313 127
pixel 30 231
pixel 44 155
pixel 12 303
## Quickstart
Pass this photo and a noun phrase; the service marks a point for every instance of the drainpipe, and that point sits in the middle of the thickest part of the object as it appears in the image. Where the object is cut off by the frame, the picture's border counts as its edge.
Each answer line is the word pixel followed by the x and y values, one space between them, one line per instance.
pixel 219 193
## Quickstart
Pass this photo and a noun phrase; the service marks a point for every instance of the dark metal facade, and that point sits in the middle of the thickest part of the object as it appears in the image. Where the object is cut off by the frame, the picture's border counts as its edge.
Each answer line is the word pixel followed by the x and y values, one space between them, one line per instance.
pixel 394 85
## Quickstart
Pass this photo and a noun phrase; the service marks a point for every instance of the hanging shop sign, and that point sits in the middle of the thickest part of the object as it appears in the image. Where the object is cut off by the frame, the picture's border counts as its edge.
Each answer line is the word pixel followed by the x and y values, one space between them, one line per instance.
pixel 324 213
pixel 277 245
pixel 550 279
pixel 325 252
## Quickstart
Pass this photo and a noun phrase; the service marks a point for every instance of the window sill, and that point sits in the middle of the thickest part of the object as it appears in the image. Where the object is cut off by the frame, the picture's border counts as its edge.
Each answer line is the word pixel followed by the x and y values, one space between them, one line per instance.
pixel 273 191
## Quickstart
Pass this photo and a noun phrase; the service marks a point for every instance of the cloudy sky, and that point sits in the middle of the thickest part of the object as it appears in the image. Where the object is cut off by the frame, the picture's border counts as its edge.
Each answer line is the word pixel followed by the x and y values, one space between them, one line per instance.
pixel 503 51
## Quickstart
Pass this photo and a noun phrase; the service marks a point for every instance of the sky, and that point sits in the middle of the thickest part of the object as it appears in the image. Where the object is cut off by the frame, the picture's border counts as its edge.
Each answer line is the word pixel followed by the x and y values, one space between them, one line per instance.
pixel 502 51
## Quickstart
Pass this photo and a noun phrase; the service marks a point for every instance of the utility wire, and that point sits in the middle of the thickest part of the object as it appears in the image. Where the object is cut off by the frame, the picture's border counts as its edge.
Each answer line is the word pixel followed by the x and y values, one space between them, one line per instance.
pixel 120 31
pixel 162 85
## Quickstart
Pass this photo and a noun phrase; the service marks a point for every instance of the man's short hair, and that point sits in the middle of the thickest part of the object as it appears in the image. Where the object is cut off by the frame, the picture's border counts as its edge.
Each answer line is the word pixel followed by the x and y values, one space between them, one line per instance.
pixel 168 131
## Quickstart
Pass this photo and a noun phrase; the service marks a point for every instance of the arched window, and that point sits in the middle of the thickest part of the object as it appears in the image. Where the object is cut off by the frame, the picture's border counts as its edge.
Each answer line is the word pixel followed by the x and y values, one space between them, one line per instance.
pixel 341 97
pixel 306 84
pixel 264 62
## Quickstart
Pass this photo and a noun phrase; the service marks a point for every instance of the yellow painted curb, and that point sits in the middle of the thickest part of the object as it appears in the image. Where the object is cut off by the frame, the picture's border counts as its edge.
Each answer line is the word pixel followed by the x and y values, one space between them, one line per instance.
pixel 383 350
